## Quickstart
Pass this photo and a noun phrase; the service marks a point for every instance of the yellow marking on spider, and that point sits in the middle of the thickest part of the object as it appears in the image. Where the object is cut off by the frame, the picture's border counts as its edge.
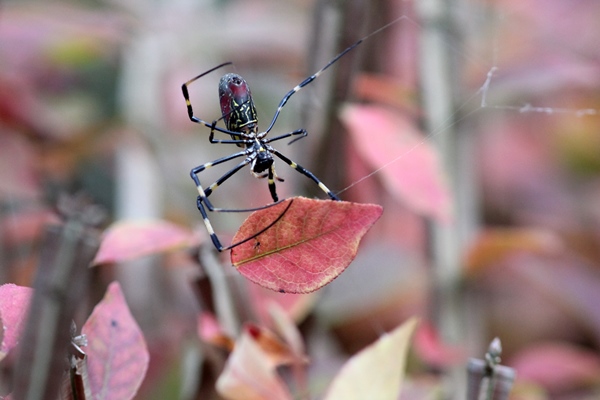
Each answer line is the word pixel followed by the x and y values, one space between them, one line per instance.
pixel 209 227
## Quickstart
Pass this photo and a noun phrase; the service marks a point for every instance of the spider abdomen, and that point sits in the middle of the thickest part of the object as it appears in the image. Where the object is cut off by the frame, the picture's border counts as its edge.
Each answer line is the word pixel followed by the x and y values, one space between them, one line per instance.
pixel 237 106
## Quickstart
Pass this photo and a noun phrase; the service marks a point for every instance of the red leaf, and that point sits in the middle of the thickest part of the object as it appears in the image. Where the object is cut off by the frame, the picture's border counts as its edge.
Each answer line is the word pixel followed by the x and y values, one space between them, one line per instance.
pixel 116 353
pixel 558 366
pixel 411 169
pixel 14 303
pixel 309 246
pixel 429 346
pixel 129 240
pixel 250 373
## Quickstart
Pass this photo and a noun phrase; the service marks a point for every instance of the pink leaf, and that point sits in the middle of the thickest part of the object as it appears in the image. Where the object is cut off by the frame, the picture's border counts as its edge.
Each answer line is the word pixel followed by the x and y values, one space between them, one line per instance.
pixel 116 353
pixel 297 306
pixel 250 374
pixel 432 350
pixel 411 168
pixel 208 326
pixel 558 366
pixel 377 371
pixel 129 240
pixel 25 226
pixel 310 244
pixel 14 303
pixel 210 331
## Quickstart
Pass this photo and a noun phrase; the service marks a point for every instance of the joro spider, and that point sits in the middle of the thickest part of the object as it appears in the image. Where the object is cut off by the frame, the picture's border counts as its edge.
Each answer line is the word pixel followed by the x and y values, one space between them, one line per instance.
pixel 241 124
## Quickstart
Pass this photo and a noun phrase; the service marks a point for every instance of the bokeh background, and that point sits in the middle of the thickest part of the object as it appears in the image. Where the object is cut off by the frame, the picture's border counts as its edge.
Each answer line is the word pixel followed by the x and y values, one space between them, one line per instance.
pixel 492 199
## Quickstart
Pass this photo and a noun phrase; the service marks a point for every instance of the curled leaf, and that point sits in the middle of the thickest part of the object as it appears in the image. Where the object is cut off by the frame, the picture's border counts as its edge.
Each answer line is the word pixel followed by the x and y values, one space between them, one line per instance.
pixel 307 247
pixel 277 352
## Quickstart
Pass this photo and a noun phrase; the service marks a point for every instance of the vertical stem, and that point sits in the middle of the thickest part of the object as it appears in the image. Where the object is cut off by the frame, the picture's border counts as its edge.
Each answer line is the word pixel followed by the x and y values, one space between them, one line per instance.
pixel 447 240
pixel 59 287
pixel 340 19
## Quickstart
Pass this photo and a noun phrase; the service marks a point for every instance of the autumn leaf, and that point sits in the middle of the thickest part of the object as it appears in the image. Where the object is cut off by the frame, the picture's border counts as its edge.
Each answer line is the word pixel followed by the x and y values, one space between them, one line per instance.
pixel 117 357
pixel 210 331
pixel 432 350
pixel 250 373
pixel 128 240
pixel 276 351
pixel 558 366
pixel 411 167
pixel 377 371
pixel 287 329
pixel 494 244
pixel 297 306
pixel 569 283
pixel 309 245
pixel 384 89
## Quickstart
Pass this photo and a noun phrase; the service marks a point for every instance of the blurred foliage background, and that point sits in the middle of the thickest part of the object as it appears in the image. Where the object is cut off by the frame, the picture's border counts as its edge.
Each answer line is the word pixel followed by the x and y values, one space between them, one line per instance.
pixel 90 101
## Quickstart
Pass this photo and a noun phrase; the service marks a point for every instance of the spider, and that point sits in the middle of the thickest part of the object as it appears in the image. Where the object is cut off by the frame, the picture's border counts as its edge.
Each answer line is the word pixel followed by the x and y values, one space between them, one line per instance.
pixel 241 124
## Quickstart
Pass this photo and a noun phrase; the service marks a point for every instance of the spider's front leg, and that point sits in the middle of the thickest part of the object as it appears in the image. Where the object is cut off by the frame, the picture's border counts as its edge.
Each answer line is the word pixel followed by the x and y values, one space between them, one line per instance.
pixel 301 132
pixel 306 173
pixel 247 139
